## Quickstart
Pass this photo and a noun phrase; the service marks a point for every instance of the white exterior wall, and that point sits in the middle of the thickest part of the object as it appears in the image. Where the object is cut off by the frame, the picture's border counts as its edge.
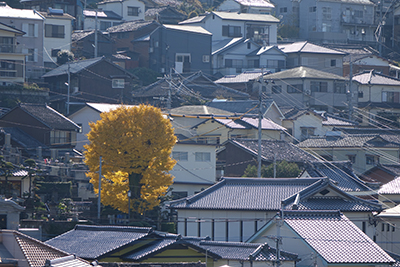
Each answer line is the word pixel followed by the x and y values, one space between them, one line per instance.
pixel 9 241
pixel 83 117
pixel 310 120
pixel 192 176
pixel 388 234
pixel 89 23
pixel 57 43
pixel 121 8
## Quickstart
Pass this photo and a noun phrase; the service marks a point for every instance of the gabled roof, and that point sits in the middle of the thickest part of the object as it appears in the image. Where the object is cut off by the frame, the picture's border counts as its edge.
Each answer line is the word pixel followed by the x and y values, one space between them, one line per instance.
pixel 80 34
pixel 294 113
pixel 332 120
pixel 103 14
pixel 8 202
pixel 248 17
pixel 304 72
pixel 35 252
pixel 7 28
pixel 340 172
pixel 226 44
pixel 374 78
pixel 198 110
pixel 46 115
pixel 92 242
pixel 104 107
pixel 195 85
pixel 274 150
pixel 67 261
pixel 249 107
pixel 74 67
pixel 392 169
pixel 391 188
pixel 154 12
pixel 22 138
pixel 255 3
pixel 242 77
pixel 184 28
pixel 9 12
pixel 334 238
pixel 306 47
pixel 245 123
pixel 132 26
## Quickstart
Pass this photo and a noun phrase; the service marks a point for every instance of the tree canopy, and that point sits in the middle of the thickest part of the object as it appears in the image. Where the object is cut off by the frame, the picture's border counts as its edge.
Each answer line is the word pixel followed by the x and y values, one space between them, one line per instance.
pixel 283 169
pixel 135 144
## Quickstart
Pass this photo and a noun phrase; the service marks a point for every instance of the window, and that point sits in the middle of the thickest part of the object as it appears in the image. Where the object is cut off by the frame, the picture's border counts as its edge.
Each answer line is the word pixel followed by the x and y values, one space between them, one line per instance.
pixel 105 25
pixel 233 63
pixel 123 35
pixel 31 29
pixel 319 86
pixel 275 64
pixel 340 88
pixel 277 89
pixel 312 9
pixel 294 88
pixel 203 156
pixel 206 58
pixel 333 62
pixel 358 13
pixel 8 68
pixel 31 55
pixel 182 58
pixel 181 156
pixel 231 31
pixel 253 63
pixel 352 158
pixel 360 94
pixel 54 31
pixel 118 83
pixel 283 10
pixel 371 159
pixel 326 13
pixel 7 45
pixel 248 45
pixel 54 52
pixel 391 97
pixel 133 11
pixel 306 132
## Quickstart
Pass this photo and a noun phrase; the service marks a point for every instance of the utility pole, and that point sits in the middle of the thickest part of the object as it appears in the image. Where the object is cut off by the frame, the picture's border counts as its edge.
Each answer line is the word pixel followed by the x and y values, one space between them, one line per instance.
pixel 169 100
pixel 95 35
pixel 351 90
pixel 69 87
pixel 99 198
pixel 260 116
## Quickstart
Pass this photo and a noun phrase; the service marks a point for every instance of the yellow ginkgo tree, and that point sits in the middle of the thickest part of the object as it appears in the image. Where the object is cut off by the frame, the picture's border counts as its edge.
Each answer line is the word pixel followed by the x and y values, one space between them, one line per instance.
pixel 135 145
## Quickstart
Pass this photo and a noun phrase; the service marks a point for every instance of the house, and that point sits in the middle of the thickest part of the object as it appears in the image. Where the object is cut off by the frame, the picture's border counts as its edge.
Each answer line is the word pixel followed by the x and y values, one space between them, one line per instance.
pixel 129 10
pixel 382 173
pixel 94 80
pixel 32 42
pixel 180 48
pixel 180 89
pixel 223 129
pixel 44 124
pixel 83 42
pixel 195 167
pixel 136 244
pixel 104 19
pixel 389 193
pixel 235 209
pixel 128 37
pixel 236 55
pixel 254 7
pixel 164 15
pixel 269 108
pixel 20 250
pixel 11 57
pixel 14 183
pixel 314 56
pixel 365 150
pixel 237 154
pixel 387 236
pixel 9 214
pixel 330 238
pixel 309 88
pixel 260 28
pixel 57 35
pixel 378 98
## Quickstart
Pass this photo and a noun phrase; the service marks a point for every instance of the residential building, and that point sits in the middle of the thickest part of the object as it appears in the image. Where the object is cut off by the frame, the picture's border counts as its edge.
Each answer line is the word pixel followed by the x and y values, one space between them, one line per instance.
pixel 260 28
pixel 177 89
pixel 378 99
pixel 14 185
pixel 9 214
pixel 44 124
pixel 164 15
pixel 241 6
pixel 330 237
pixel 180 48
pixel 269 108
pixel 365 150
pixel 389 194
pixel 83 44
pixel 94 80
pixel 138 244
pixel 104 18
pixel 237 154
pixel 387 221
pixel 382 173
pixel 32 42
pixel 235 209
pixel 129 10
pixel 314 56
pixel 11 57
pixel 308 88
pixel 57 35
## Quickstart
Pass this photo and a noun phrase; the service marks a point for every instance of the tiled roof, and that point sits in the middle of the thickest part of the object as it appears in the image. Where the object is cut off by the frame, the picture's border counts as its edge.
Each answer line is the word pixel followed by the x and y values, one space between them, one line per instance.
pixel 306 47
pixel 304 72
pixel 260 194
pixel 266 124
pixel 248 123
pixel 246 17
pixel 391 188
pixel 130 26
pixel 198 110
pixel 193 29
pixel 153 247
pixel 193 20
pixel 374 78
pixel 243 77
pixel 49 117
pixel 196 85
pixel 270 149
pixel 351 140
pixel 11 204
pixel 337 203
pixel 68 261
pixel 255 3
pixel 331 120
pixel 393 168
pixel 35 252
pixel 225 44
pixel 340 172
pixel 22 138
pixel 74 67
pixel 335 238
pixel 396 257
pixel 380 131
pixel 241 106
pixel 91 242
